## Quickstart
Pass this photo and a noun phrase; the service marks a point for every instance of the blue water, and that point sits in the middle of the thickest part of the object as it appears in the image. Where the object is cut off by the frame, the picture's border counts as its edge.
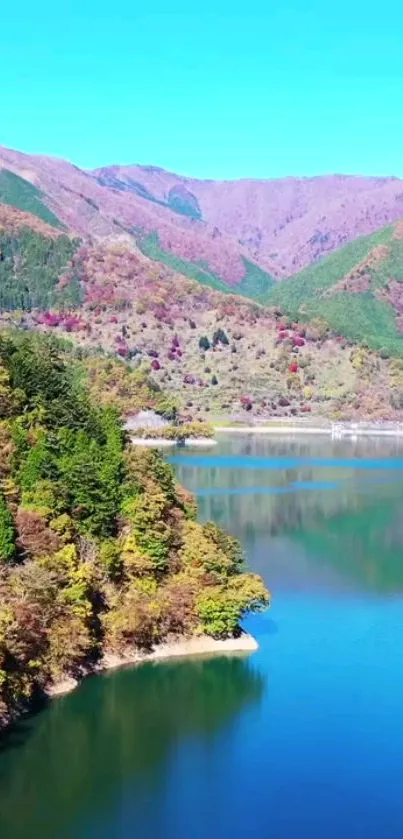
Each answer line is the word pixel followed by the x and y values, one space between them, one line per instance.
pixel 302 739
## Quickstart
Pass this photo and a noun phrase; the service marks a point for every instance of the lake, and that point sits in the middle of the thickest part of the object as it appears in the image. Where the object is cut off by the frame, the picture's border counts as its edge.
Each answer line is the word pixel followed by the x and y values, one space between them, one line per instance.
pixel 303 738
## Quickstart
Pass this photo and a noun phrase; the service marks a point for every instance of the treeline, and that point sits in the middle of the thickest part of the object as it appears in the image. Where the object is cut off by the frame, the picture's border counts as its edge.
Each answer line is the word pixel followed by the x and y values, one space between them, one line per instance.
pixel 99 546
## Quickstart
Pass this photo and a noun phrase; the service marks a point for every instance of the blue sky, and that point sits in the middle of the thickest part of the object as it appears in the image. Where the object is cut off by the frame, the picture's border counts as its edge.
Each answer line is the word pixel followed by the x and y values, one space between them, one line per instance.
pixel 214 89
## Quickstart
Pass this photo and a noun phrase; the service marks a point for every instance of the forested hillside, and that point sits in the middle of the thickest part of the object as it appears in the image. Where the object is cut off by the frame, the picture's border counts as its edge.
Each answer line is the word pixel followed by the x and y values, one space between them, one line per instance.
pixel 17 192
pixel 357 291
pixel 100 550
pixel 212 354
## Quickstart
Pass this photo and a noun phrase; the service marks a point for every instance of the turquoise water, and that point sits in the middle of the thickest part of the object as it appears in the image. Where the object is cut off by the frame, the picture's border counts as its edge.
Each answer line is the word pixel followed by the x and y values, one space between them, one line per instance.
pixel 305 737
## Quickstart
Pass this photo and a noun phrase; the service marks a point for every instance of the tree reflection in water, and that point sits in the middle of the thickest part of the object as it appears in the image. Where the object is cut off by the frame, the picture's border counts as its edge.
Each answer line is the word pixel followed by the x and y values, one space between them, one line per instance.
pixel 73 759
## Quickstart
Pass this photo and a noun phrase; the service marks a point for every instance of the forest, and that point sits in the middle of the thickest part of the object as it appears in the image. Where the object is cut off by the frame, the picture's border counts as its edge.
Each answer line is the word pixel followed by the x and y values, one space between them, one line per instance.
pixel 100 548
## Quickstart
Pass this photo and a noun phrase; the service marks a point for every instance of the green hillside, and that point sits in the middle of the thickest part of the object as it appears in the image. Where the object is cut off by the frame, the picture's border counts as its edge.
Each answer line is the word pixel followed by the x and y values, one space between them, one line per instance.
pixel 19 193
pixel 255 284
pixel 351 291
pixel 31 266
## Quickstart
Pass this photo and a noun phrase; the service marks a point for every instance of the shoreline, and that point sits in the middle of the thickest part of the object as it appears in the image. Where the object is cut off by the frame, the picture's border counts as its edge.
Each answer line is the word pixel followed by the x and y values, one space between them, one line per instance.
pixel 198 646
pixel 336 432
pixel 275 429
pixel 163 441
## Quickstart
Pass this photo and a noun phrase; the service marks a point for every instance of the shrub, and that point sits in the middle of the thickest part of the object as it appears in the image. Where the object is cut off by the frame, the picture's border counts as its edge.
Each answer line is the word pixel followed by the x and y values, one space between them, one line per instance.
pixel 204 343
pixel 246 403
pixel 220 337
pixel 396 399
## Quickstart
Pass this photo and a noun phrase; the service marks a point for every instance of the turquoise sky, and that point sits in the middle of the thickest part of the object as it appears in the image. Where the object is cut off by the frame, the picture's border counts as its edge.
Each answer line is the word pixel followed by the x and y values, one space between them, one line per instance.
pixel 213 89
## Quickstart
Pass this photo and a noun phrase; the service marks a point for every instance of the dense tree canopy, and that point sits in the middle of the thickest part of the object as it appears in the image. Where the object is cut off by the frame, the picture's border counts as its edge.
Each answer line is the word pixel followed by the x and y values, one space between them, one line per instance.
pixel 36 271
pixel 100 549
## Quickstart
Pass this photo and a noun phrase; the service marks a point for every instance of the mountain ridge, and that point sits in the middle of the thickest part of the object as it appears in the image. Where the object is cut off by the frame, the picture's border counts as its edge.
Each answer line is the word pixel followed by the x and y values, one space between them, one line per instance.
pixel 285 214
pixel 282 225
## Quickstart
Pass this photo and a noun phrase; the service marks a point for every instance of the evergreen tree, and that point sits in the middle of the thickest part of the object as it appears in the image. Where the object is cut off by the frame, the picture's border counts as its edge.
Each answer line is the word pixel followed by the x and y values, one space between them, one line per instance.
pixel 204 343
pixel 7 533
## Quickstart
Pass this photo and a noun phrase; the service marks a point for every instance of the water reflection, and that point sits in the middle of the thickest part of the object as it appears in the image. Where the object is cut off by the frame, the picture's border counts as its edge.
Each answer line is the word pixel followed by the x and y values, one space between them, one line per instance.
pixel 67 766
pixel 334 505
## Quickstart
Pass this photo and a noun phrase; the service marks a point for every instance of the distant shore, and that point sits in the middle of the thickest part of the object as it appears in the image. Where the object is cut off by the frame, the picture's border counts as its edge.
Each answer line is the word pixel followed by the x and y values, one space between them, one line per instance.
pixel 163 441
pixel 335 430
pixel 272 429
pixel 199 646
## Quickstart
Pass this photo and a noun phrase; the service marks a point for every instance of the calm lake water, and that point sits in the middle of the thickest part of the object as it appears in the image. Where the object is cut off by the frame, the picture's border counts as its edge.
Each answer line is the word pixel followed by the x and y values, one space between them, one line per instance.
pixel 302 739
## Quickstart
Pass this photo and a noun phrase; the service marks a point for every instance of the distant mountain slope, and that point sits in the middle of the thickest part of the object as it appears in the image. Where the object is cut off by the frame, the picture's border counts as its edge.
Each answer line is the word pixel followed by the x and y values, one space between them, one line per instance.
pixel 174 229
pixel 222 227
pixel 19 193
pixel 358 291
pixel 255 284
pixel 219 354
pixel 89 207
pixel 12 220
pixel 289 222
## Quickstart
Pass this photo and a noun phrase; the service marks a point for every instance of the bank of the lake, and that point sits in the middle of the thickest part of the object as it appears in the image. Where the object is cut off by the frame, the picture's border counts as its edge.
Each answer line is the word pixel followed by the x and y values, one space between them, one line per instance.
pixel 335 429
pixel 163 442
pixel 200 645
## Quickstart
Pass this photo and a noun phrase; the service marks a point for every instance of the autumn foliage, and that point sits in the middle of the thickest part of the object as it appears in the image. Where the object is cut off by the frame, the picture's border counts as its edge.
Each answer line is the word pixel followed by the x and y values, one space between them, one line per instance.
pixel 100 550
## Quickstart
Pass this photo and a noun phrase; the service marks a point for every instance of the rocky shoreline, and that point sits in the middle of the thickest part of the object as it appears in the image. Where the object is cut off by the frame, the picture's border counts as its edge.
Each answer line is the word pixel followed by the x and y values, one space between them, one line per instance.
pixel 203 645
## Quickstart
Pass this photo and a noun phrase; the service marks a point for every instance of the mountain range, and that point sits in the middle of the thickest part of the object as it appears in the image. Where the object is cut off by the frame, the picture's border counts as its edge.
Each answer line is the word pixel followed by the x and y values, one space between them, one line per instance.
pixel 165 270
pixel 281 225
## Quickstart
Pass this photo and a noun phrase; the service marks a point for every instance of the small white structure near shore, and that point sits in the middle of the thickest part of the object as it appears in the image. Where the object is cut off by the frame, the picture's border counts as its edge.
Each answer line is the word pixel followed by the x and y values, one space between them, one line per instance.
pixel 366 429
pixel 152 421
pixel 145 419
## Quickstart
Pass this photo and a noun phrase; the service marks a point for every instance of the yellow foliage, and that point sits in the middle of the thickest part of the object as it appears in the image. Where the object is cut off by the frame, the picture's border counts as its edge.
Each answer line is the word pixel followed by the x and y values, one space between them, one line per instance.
pixel 63 525
pixel 134 561
pixel 67 557
pixel 200 552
